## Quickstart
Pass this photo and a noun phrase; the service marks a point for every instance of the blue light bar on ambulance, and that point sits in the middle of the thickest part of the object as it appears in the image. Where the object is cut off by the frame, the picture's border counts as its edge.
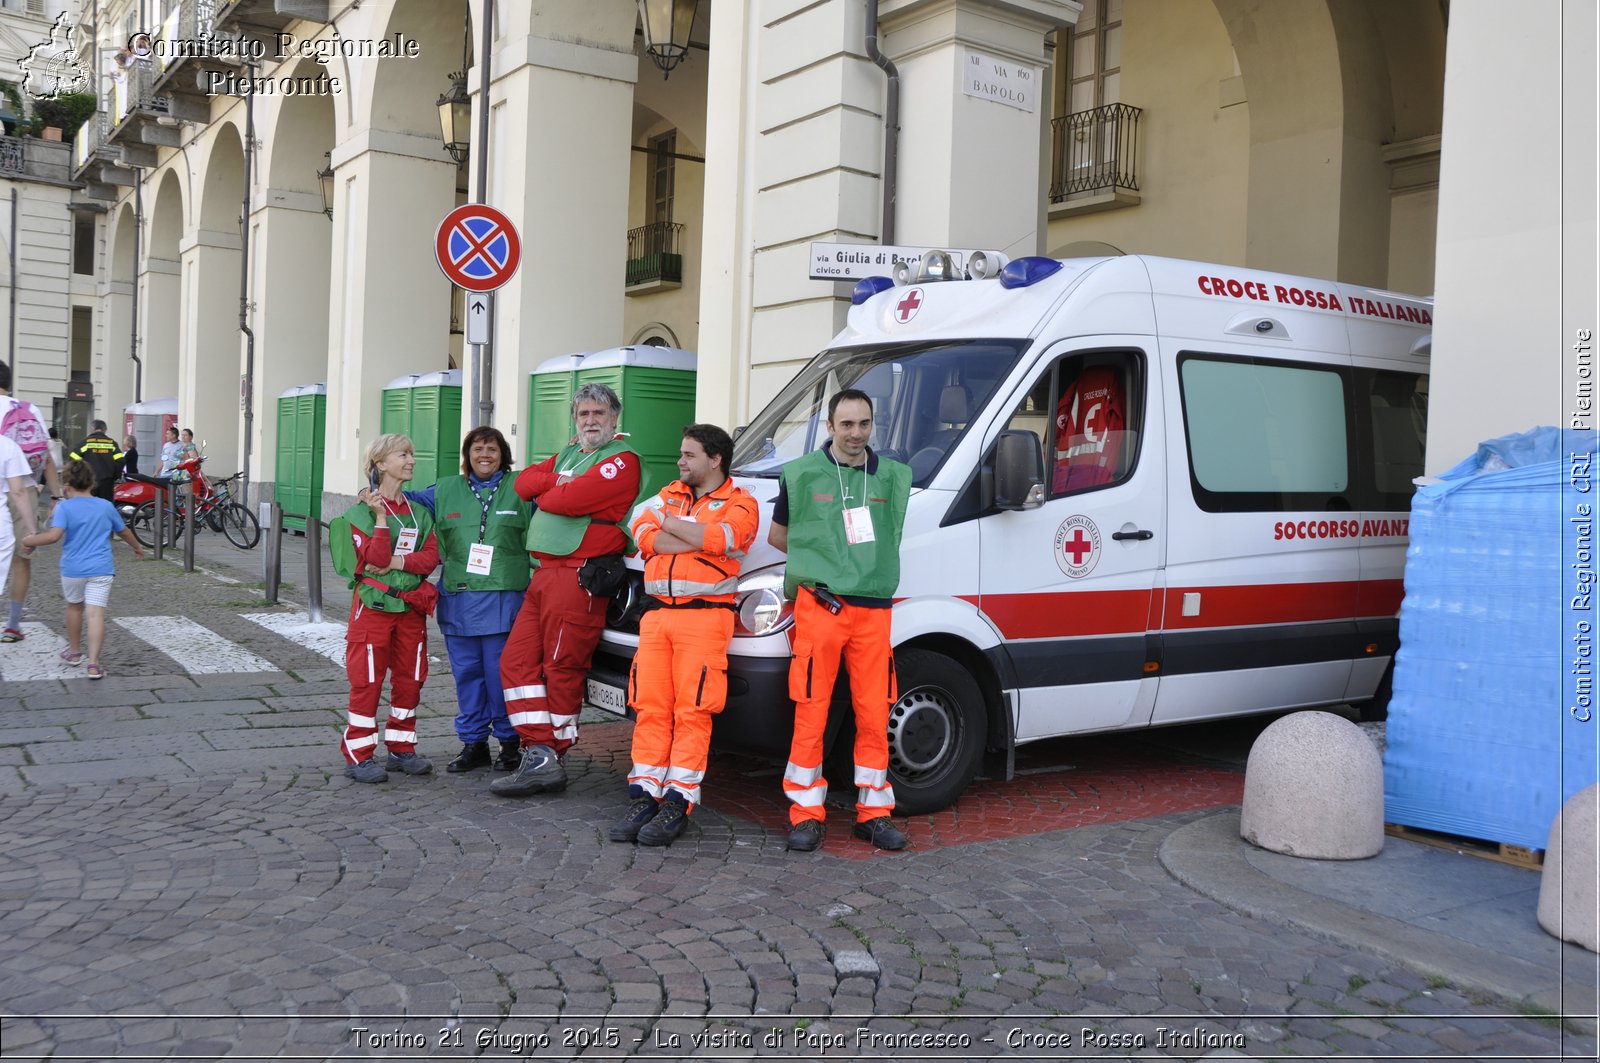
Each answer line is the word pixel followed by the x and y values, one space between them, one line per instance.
pixel 1021 272
pixel 867 287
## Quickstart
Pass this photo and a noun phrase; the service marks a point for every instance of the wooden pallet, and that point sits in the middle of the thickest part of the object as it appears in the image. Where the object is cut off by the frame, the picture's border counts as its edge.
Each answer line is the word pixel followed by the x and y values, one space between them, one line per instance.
pixel 1503 852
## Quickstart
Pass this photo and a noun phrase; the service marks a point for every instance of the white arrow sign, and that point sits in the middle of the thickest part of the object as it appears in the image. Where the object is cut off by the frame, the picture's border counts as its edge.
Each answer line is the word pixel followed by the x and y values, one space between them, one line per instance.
pixel 477 317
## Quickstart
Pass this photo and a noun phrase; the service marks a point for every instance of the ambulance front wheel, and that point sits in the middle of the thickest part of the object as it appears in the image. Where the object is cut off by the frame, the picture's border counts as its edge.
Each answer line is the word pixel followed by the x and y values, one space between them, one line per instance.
pixel 936 731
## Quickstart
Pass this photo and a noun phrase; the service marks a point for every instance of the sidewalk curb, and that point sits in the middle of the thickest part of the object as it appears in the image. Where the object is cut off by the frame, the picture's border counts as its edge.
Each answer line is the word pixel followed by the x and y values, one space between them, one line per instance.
pixel 1208 856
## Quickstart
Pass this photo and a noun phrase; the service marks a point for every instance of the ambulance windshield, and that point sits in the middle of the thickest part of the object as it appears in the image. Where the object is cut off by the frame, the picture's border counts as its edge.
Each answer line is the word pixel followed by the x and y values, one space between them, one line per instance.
pixel 923 398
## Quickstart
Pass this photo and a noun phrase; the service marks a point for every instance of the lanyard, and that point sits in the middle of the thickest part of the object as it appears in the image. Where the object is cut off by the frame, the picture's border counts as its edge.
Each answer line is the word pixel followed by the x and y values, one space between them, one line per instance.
pixel 397 516
pixel 486 501
pixel 844 495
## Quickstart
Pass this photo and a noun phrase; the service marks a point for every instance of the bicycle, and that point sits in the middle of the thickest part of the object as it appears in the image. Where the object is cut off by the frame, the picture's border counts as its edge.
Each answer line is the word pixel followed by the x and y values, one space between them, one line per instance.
pixel 215 510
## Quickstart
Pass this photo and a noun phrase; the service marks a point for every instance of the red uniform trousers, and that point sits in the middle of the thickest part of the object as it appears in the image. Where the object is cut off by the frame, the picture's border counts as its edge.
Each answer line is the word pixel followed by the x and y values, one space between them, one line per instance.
pixel 379 642
pixel 861 636
pixel 679 681
pixel 546 658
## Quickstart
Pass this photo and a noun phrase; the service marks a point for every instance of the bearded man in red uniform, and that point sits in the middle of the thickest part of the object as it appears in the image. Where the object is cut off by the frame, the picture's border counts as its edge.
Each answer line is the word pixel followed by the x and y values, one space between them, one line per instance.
pixel 583 494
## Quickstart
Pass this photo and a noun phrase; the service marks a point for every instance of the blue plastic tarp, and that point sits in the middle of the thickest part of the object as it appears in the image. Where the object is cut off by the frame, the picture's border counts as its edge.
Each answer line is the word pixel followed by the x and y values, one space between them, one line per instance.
pixel 1492 724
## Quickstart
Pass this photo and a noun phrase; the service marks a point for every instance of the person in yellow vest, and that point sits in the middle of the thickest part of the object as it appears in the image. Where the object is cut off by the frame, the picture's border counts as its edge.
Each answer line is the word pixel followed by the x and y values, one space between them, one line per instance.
pixel 838 515
pixel 481 525
pixel 394 551
pixel 583 493
pixel 102 454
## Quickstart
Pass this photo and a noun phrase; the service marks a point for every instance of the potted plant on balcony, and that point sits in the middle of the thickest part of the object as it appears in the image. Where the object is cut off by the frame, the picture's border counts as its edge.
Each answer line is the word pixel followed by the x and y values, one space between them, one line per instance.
pixel 59 119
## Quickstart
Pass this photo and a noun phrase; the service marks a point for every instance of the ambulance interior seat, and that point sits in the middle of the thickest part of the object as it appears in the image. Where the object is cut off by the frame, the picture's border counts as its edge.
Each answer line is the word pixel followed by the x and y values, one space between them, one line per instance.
pixel 955 410
pixel 1093 466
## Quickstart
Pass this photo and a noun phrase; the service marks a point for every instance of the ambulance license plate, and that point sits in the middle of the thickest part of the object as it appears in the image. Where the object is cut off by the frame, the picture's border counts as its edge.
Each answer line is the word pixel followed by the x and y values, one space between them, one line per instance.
pixel 607 697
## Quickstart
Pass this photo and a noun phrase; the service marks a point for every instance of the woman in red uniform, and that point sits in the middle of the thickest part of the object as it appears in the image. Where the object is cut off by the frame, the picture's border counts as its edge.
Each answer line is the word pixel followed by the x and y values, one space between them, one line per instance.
pixel 395 551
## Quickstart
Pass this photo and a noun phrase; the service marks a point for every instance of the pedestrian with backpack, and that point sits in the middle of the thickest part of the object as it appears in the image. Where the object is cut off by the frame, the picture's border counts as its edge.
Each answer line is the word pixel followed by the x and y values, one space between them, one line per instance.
pixel 386 548
pixel 21 423
pixel 84 525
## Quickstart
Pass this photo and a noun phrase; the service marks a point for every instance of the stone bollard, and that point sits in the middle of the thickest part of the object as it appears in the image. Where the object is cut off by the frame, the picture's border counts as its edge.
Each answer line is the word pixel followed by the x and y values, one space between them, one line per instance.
pixel 1313 787
pixel 1567 885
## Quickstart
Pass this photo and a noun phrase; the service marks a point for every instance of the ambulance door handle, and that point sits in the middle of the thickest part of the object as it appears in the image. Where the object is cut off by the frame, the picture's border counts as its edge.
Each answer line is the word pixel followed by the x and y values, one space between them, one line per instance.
pixel 1140 534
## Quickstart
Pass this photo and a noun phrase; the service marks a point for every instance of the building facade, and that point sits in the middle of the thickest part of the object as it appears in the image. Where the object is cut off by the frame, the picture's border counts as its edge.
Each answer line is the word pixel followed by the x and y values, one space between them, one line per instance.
pixel 1305 136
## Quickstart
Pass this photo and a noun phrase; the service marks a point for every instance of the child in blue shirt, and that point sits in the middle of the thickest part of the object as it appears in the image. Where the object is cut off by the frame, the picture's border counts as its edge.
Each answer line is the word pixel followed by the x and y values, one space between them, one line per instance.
pixel 86 523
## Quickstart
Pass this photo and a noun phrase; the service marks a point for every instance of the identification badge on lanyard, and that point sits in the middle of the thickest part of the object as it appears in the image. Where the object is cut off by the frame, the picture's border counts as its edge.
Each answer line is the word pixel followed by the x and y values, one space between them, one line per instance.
pixel 406 543
pixel 479 558
pixel 858 526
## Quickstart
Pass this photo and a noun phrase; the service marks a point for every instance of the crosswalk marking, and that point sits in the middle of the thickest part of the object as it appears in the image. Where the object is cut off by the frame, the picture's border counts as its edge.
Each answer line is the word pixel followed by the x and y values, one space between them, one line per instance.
pixel 324 638
pixel 198 649
pixel 37 656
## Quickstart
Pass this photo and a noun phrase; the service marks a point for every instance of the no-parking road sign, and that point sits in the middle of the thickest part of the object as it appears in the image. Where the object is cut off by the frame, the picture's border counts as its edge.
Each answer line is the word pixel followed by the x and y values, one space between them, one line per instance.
pixel 478 248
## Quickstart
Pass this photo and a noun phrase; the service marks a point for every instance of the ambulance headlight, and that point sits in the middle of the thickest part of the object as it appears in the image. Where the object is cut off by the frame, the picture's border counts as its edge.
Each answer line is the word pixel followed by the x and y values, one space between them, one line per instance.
pixel 763 609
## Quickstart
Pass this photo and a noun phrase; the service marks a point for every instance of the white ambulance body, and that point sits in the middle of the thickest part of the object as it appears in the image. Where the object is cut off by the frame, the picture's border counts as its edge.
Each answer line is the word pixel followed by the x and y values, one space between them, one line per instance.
pixel 1145 492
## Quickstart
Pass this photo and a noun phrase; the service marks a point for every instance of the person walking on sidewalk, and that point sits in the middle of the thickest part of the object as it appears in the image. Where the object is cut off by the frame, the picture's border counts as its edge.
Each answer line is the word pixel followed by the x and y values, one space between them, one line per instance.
pixel 838 515
pixel 84 524
pixel 482 526
pixel 693 537
pixel 102 454
pixel 22 423
pixel 583 493
pixel 394 550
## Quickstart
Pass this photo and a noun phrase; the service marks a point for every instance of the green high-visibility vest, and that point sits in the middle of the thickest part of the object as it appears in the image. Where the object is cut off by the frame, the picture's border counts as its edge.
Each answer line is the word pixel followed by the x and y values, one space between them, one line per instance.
pixel 555 535
pixel 819 552
pixel 361 518
pixel 462 519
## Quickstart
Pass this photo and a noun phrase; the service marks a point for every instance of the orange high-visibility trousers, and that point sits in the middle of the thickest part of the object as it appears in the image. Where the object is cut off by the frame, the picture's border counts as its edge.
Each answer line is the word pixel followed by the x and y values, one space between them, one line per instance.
pixel 861 636
pixel 678 682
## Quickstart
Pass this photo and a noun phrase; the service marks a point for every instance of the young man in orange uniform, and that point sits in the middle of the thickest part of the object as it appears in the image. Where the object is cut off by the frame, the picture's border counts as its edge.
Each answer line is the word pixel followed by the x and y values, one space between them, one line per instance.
pixel 693 537
pixel 583 494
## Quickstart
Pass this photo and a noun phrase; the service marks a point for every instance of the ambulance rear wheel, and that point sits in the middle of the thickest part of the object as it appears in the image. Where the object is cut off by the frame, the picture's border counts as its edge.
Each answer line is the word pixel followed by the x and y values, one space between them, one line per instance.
pixel 1377 710
pixel 936 731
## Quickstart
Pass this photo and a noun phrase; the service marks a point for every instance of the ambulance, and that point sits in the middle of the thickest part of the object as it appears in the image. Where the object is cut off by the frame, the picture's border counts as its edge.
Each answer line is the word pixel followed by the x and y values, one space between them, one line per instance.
pixel 1144 492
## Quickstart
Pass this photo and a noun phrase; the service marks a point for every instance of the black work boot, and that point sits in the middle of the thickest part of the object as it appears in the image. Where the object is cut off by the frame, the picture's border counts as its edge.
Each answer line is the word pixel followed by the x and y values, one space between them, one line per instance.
pixel 510 754
pixel 473 755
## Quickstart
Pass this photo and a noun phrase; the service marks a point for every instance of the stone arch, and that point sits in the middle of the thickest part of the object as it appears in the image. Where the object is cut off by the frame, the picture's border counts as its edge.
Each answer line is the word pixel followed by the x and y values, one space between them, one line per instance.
pixel 209 356
pixel 1087 249
pixel 113 364
pixel 1329 85
pixel 160 291
pixel 291 252
pixel 406 91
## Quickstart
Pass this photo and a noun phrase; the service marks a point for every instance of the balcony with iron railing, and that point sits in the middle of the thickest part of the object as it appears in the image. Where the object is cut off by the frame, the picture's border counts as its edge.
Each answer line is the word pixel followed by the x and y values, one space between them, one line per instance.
pixel 654 259
pixel 1094 160
pixel 34 158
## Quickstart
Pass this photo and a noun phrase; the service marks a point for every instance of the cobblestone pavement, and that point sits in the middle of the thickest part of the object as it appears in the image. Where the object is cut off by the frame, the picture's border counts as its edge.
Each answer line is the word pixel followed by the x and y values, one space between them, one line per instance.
pixel 187 874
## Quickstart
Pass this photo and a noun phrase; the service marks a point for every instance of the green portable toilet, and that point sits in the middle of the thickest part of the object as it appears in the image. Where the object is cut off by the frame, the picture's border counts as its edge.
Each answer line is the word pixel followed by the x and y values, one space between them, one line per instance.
pixel 426 407
pixel 656 385
pixel 302 433
pixel 550 390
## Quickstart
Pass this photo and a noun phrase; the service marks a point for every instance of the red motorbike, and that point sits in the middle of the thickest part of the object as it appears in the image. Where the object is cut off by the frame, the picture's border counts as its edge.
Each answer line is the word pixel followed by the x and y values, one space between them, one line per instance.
pixel 137 499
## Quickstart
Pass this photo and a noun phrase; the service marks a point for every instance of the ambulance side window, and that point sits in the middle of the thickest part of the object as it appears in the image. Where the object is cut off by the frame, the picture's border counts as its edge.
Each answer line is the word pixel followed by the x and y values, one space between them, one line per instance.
pixel 1266 436
pixel 1087 414
pixel 1397 406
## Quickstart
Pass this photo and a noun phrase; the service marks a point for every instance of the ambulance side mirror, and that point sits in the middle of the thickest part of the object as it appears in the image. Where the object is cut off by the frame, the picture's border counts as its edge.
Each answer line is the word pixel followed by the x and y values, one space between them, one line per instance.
pixel 1018 471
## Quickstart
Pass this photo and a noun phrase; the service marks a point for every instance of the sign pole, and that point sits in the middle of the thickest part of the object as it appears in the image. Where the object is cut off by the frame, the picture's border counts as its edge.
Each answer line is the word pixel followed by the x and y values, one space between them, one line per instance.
pixel 480 161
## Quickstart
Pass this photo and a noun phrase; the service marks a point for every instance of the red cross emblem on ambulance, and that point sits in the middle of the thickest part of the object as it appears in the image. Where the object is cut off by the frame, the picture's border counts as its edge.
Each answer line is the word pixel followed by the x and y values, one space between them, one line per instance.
pixel 907 307
pixel 1077 546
